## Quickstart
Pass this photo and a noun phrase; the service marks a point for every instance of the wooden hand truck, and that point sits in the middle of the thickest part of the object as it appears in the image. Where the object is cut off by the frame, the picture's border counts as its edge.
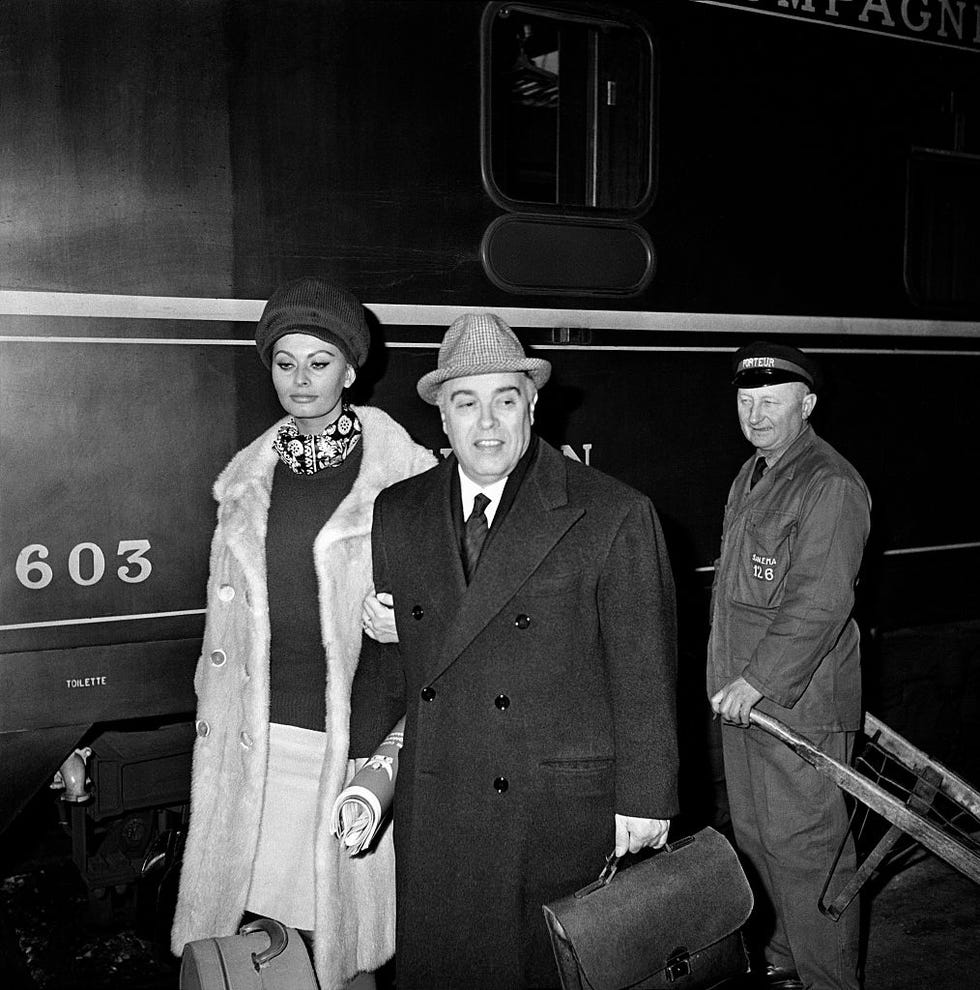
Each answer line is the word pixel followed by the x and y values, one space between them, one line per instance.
pixel 917 795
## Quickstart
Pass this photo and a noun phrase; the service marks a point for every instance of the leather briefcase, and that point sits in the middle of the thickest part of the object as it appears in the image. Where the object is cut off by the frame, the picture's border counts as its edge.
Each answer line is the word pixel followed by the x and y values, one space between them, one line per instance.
pixel 670 921
pixel 264 955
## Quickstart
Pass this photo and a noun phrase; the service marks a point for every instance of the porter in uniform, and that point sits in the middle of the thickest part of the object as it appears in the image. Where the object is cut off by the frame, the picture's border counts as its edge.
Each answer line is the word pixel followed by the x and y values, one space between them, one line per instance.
pixel 783 640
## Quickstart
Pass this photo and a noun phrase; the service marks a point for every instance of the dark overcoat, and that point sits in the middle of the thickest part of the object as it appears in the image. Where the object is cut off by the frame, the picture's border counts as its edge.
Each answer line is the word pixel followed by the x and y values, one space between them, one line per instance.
pixel 540 701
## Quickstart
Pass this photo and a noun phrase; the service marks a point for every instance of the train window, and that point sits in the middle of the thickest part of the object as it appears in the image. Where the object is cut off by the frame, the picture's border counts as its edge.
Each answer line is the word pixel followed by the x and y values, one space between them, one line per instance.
pixel 568 110
pixel 942 229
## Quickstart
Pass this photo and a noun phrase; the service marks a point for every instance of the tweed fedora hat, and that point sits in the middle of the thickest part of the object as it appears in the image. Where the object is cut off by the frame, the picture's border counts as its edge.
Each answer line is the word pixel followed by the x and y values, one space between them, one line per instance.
pixel 480 344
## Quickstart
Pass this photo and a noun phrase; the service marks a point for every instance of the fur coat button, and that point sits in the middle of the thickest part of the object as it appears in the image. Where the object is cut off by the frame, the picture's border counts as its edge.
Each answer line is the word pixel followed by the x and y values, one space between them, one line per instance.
pixel 203 729
pixel 218 658
pixel 246 740
pixel 226 592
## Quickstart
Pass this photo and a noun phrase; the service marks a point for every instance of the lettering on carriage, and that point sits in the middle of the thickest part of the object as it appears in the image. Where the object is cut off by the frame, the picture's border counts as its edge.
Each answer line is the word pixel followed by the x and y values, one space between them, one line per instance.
pixel 86 564
pixel 951 22
pixel 586 457
pixel 86 682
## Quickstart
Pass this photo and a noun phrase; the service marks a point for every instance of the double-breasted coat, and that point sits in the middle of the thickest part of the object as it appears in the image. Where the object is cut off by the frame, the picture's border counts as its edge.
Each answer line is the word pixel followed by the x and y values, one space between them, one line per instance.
pixel 354 897
pixel 540 701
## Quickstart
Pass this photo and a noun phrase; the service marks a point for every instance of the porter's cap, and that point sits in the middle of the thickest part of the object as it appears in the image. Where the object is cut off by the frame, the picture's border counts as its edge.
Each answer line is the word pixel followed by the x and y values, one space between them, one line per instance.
pixel 763 363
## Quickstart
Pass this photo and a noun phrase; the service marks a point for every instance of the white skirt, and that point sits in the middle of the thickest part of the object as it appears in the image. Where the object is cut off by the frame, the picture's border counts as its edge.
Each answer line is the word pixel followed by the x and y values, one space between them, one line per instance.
pixel 283 874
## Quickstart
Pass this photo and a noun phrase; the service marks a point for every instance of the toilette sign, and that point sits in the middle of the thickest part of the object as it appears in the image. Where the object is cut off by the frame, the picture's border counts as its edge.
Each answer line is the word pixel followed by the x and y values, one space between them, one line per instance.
pixel 953 23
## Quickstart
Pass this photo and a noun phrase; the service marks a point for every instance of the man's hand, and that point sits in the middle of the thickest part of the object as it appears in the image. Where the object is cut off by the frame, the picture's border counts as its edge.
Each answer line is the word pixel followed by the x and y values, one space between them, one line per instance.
pixel 378 617
pixel 734 701
pixel 634 834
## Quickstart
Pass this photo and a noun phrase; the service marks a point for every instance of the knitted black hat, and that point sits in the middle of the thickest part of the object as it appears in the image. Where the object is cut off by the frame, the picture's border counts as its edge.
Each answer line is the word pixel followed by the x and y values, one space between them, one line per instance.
pixel 315 306
pixel 763 363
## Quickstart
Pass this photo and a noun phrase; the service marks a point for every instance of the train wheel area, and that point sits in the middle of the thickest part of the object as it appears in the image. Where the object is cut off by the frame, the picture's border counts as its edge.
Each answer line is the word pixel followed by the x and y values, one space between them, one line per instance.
pixel 923 921
pixel 58 932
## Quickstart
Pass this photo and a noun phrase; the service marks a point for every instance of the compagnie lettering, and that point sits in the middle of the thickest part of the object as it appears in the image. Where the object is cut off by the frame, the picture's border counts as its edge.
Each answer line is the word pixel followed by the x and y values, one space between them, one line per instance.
pixel 952 23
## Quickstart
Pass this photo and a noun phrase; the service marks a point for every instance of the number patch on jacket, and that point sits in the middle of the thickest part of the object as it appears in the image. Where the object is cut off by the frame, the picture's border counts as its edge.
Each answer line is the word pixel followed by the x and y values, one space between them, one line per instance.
pixel 763 567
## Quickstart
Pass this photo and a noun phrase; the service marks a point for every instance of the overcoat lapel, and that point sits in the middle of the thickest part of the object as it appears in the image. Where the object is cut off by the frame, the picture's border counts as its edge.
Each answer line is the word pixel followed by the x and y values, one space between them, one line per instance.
pixel 442 566
pixel 537 520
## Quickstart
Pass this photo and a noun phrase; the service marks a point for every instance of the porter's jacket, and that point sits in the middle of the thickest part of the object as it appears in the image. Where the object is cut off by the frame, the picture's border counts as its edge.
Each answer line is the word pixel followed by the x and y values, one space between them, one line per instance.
pixel 354 897
pixel 784 584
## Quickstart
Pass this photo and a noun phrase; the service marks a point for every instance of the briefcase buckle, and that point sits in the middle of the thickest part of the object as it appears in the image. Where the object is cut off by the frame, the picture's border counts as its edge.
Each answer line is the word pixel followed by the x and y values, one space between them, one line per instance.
pixel 678 964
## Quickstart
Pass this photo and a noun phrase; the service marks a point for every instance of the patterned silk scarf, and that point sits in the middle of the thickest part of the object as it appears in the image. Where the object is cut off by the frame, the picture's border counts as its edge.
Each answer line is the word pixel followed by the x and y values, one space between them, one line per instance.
pixel 304 454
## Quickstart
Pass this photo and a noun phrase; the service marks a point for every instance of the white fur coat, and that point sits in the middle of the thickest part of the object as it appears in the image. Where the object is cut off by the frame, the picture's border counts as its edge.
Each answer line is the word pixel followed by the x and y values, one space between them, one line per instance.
pixel 355 906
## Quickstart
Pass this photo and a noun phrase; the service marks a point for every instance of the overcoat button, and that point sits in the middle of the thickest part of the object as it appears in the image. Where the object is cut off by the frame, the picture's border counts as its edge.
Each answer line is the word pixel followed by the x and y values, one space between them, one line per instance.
pixel 522 621
pixel 246 740
pixel 502 701
pixel 218 658
pixel 417 612
pixel 226 592
pixel 428 693
pixel 500 784
pixel 203 729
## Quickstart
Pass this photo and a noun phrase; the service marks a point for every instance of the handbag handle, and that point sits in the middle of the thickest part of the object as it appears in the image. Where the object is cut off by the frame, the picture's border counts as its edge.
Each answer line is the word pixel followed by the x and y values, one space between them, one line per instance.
pixel 278 939
pixel 612 864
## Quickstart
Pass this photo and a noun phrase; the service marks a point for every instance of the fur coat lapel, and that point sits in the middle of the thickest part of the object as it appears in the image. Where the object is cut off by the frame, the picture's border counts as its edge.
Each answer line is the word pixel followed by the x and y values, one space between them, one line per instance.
pixel 244 487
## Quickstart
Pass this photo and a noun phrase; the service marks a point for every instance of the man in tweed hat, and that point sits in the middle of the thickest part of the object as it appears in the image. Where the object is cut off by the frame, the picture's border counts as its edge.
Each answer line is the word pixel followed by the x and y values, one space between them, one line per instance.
pixel 535 663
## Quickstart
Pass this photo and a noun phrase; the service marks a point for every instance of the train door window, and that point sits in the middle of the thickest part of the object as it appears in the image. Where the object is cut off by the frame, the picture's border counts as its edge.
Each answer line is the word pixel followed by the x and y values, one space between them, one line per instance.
pixel 942 229
pixel 568 109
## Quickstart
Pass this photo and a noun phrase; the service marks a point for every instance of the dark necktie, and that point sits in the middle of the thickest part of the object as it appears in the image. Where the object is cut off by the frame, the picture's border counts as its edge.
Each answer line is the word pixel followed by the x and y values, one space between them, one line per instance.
pixel 474 535
pixel 757 472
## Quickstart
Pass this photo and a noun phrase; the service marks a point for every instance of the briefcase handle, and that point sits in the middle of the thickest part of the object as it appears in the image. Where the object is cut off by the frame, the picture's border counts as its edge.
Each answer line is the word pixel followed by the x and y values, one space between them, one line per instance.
pixel 612 864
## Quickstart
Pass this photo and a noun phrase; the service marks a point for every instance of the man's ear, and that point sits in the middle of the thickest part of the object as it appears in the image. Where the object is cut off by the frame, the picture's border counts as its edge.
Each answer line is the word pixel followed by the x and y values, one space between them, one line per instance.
pixel 809 401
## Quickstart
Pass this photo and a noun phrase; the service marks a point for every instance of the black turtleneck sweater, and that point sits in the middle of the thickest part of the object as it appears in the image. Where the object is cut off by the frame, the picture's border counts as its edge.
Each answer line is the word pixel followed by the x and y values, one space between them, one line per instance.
pixel 299 508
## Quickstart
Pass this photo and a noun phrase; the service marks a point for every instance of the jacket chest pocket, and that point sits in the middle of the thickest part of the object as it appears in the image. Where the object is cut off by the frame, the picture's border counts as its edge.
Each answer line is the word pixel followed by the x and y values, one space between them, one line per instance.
pixel 764 558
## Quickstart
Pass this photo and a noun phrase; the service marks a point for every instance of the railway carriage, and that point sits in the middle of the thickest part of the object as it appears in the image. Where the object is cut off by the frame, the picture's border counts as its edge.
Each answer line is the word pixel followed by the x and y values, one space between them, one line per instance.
pixel 637 188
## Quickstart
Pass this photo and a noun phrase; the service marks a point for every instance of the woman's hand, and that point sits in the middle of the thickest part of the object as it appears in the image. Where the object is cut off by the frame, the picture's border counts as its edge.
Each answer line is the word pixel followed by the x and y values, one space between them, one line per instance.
pixel 378 617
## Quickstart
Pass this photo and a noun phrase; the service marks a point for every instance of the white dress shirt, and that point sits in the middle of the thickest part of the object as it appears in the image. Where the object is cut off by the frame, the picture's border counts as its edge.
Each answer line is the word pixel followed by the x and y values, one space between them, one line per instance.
pixel 470 489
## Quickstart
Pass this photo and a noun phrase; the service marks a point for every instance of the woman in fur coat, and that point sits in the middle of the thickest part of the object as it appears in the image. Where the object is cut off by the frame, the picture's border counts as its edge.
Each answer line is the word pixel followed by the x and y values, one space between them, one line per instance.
pixel 290 566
